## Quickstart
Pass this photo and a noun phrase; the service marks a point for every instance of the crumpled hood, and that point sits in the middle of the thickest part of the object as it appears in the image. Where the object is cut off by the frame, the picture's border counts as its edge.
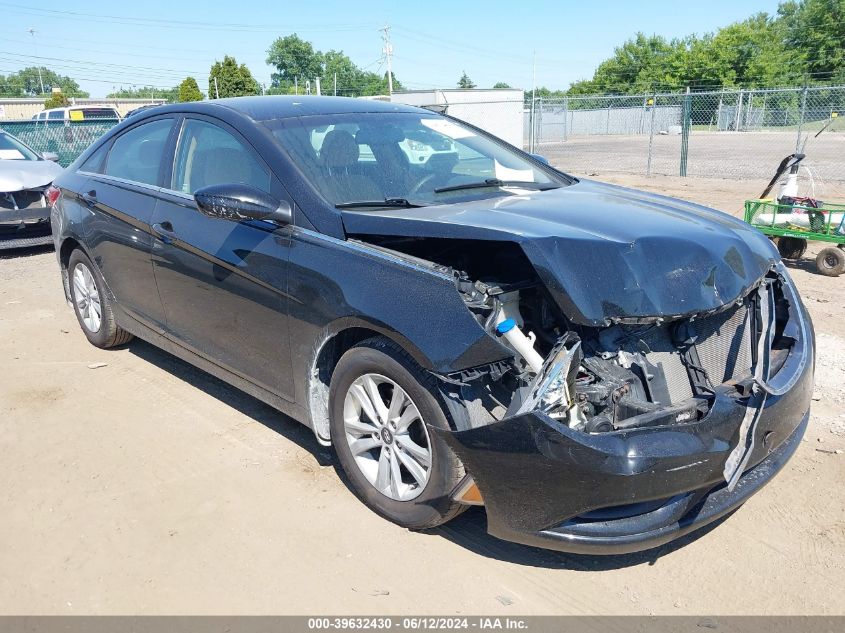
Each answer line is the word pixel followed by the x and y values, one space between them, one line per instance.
pixel 604 252
pixel 17 175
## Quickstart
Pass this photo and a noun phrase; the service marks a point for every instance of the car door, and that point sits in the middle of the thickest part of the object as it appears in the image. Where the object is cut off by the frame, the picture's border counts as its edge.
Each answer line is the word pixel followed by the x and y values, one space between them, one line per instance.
pixel 121 192
pixel 223 282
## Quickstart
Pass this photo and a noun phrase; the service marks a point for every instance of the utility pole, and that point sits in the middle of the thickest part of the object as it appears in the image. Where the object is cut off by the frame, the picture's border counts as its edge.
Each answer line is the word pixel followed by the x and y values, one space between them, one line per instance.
pixel 35 45
pixel 296 85
pixel 216 91
pixel 388 54
pixel 318 86
pixel 335 84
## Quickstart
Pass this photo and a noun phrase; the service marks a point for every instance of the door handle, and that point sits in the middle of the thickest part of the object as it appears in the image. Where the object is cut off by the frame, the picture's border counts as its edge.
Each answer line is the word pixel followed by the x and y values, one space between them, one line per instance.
pixel 89 198
pixel 164 231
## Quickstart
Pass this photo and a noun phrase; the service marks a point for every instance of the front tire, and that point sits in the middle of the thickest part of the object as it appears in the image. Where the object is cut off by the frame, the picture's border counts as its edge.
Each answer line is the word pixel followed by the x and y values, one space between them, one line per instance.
pixel 92 305
pixel 381 406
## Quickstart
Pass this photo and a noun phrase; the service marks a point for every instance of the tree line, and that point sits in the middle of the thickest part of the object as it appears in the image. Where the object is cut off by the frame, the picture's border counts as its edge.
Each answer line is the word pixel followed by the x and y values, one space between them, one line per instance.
pixel 803 44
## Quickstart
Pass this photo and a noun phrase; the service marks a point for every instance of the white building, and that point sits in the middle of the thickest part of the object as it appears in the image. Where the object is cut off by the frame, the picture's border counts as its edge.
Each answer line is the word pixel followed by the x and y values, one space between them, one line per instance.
pixel 498 111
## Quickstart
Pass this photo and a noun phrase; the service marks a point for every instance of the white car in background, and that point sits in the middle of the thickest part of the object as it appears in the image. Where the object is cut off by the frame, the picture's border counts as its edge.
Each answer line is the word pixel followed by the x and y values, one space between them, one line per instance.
pixel 25 176
pixel 78 113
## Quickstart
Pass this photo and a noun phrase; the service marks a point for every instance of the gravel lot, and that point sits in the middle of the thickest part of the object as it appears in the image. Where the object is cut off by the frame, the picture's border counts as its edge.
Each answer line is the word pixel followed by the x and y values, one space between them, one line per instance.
pixel 133 483
pixel 711 154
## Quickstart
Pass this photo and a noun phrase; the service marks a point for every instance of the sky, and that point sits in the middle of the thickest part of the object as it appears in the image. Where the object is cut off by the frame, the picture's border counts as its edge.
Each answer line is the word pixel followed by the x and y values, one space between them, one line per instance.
pixel 106 45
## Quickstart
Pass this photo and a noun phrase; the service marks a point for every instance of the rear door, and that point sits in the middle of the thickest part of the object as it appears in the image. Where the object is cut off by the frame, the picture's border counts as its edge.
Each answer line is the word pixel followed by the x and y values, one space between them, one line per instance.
pixel 223 283
pixel 122 193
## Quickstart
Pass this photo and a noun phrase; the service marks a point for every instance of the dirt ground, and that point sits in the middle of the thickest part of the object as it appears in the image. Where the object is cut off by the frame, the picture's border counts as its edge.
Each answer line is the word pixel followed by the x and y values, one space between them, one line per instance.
pixel 133 483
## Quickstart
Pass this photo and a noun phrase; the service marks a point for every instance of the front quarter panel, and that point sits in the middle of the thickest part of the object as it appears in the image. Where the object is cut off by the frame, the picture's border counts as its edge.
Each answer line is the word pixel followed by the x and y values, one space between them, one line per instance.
pixel 335 284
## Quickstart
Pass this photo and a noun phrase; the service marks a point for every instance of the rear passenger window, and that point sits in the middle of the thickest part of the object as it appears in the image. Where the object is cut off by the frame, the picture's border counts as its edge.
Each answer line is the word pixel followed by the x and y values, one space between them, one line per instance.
pixel 209 155
pixel 136 155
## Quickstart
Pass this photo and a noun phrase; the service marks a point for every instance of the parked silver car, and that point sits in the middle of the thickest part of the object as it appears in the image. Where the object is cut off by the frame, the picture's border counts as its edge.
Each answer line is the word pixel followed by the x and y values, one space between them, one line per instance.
pixel 25 176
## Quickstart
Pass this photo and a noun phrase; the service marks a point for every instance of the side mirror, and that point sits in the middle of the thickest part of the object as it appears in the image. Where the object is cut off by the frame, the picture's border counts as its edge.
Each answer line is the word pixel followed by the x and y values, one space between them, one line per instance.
pixel 51 156
pixel 542 159
pixel 241 202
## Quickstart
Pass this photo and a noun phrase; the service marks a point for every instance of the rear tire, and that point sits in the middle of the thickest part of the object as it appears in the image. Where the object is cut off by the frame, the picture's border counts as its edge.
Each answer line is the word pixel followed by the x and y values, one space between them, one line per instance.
pixel 831 261
pixel 364 385
pixel 791 247
pixel 92 305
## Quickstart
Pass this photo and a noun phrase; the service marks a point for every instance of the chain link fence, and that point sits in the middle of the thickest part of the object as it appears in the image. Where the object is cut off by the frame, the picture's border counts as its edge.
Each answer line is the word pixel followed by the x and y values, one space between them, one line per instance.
pixel 67 139
pixel 741 134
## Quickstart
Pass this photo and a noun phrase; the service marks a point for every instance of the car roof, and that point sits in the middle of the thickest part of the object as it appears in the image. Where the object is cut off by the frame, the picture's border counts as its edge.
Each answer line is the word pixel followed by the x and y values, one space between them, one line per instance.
pixel 283 106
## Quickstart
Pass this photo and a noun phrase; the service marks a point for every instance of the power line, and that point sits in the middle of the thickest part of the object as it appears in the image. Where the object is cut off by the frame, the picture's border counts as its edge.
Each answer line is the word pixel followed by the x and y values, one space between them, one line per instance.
pixel 97 64
pixel 175 24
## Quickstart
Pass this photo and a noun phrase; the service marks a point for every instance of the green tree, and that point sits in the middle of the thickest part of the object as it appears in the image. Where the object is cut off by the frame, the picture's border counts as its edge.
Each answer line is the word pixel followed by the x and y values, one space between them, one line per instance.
pixel 232 80
pixel 465 82
pixel 638 64
pixel 26 83
pixel 294 58
pixel 350 78
pixel 189 91
pixel 56 100
pixel 145 92
pixel 375 84
pixel 500 85
pixel 814 35
pixel 748 53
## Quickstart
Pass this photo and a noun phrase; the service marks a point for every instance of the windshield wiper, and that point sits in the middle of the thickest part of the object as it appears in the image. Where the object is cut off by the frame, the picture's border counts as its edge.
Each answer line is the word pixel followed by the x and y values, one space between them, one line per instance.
pixel 496 182
pixel 387 202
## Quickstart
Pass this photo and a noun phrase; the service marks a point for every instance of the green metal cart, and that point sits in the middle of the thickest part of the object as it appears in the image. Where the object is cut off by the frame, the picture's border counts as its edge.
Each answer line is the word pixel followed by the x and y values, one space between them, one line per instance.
pixel 793 225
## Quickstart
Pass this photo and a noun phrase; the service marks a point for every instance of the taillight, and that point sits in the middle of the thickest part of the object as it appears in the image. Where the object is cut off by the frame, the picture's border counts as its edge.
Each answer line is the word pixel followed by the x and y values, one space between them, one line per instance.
pixel 53 194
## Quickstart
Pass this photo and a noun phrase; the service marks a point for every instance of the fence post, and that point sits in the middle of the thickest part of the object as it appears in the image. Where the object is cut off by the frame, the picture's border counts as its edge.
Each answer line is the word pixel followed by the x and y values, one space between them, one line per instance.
pixel 538 135
pixel 719 110
pixel 566 118
pixel 531 125
pixel 686 120
pixel 738 113
pixel 640 128
pixel 651 133
pixel 801 120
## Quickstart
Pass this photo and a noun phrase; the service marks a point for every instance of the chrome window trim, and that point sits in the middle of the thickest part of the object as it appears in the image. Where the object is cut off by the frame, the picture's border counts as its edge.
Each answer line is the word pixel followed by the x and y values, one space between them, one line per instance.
pixel 122 181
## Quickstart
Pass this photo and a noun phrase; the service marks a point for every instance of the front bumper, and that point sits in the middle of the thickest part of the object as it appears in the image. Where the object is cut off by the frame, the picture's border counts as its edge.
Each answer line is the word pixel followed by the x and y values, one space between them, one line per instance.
pixel 25 228
pixel 547 485
pixel 23 233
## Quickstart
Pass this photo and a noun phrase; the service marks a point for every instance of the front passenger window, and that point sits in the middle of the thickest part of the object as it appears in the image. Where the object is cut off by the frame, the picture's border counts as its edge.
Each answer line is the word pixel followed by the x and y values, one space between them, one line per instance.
pixel 136 155
pixel 209 155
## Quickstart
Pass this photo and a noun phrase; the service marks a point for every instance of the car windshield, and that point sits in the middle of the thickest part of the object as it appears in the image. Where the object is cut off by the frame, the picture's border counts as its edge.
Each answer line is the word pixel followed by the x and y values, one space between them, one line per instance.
pixel 405 159
pixel 12 149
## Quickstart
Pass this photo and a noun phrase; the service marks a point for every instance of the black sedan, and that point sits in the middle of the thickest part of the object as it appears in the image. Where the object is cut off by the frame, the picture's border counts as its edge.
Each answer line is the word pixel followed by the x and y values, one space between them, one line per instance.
pixel 603 369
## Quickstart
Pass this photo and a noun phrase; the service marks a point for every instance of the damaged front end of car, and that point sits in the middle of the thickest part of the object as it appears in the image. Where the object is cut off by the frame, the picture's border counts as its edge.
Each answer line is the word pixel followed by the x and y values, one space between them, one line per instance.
pixel 25 203
pixel 631 435
pixel 655 382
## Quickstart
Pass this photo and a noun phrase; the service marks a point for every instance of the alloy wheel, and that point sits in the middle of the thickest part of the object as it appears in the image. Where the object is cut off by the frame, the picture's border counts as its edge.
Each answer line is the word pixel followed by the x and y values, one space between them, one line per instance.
pixel 87 298
pixel 387 437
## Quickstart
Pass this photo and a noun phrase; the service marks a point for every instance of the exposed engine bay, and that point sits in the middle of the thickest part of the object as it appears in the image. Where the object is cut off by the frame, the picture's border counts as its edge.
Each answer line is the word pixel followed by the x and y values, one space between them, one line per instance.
pixel 627 374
